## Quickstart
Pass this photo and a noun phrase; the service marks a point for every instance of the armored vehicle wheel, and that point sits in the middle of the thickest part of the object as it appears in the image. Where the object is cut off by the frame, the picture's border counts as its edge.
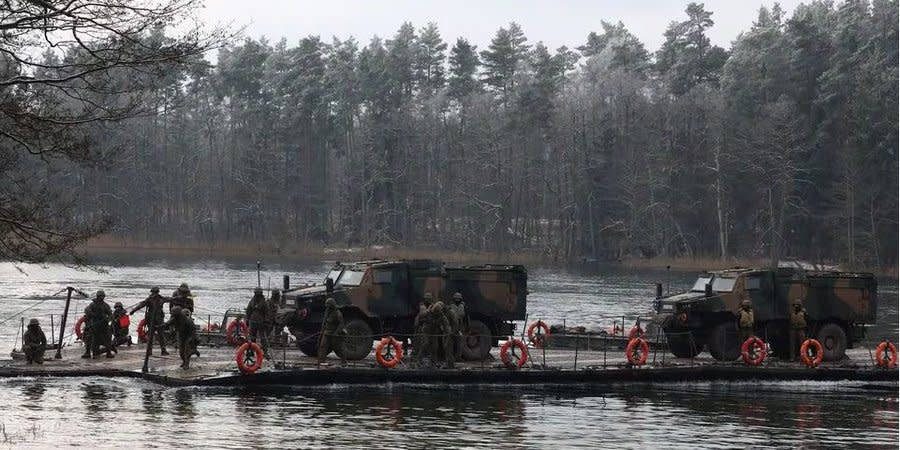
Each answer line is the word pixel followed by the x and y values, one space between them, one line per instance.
pixel 682 346
pixel 834 341
pixel 357 343
pixel 723 342
pixel 477 341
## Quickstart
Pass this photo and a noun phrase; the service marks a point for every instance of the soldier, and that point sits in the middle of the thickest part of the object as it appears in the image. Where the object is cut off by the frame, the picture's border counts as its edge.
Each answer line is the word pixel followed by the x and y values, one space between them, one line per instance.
pixel 187 334
pixel 274 303
pixel 97 317
pixel 437 328
pixel 182 297
pixel 257 316
pixel 420 339
pixel 798 328
pixel 331 336
pixel 153 317
pixel 745 321
pixel 34 343
pixel 120 332
pixel 461 326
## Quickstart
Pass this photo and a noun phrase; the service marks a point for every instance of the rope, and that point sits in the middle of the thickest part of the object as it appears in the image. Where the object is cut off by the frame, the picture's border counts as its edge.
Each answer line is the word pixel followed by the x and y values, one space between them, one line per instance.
pixel 22 311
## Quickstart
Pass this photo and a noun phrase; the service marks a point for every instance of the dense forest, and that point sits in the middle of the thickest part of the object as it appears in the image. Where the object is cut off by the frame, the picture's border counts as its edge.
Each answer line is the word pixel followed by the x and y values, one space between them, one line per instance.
pixel 784 145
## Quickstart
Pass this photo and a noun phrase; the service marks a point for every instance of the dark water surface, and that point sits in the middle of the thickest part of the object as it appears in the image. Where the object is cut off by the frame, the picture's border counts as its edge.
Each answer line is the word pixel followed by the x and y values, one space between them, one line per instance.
pixel 115 413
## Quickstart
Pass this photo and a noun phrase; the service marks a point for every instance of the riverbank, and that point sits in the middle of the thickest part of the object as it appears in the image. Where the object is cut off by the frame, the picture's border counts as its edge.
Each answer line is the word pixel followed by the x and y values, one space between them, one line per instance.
pixel 111 246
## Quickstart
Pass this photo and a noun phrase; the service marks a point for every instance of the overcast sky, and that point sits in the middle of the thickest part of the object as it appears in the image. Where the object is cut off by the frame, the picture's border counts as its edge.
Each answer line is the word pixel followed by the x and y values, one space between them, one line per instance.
pixel 556 23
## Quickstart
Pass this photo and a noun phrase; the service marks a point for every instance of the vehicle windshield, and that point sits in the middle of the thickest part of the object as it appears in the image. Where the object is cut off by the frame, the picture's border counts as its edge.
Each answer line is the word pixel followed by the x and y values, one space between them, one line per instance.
pixel 334 274
pixel 700 284
pixel 350 278
pixel 719 284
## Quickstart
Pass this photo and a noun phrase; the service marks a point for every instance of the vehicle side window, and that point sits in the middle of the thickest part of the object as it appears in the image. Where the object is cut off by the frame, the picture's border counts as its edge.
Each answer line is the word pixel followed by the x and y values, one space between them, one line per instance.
pixel 752 283
pixel 383 276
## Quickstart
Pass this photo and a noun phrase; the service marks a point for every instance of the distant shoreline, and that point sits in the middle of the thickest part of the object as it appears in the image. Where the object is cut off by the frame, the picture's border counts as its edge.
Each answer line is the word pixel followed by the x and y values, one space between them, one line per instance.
pixel 109 246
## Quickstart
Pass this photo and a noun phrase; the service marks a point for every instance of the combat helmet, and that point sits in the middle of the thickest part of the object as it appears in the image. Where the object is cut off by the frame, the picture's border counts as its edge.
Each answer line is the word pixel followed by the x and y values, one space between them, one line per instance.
pixel 438 306
pixel 177 311
pixel 118 305
pixel 745 303
pixel 33 323
pixel 154 290
pixel 183 287
pixel 330 303
pixel 457 297
pixel 257 291
pixel 100 294
pixel 797 302
pixel 427 299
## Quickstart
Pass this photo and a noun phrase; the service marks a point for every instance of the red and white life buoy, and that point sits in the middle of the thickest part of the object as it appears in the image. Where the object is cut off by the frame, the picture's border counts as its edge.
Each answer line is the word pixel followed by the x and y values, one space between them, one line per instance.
pixel 384 355
pixel 507 352
pixel 79 327
pixel 236 332
pixel 538 337
pixel 636 351
pixel 142 330
pixel 882 358
pixel 249 363
pixel 753 351
pixel 816 358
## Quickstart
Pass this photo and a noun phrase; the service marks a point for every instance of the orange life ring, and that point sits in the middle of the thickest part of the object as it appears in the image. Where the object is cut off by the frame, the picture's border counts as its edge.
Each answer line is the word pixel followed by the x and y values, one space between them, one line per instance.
pixel 388 360
pixel 242 359
pixel 538 339
pixel 759 350
pixel 79 327
pixel 507 359
pixel 142 330
pixel 234 339
pixel 635 332
pixel 636 351
pixel 815 360
pixel 880 360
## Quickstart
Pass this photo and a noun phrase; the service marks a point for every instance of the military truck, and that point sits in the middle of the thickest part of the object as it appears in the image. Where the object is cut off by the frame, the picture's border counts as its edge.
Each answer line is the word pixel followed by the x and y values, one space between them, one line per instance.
pixel 840 306
pixel 380 297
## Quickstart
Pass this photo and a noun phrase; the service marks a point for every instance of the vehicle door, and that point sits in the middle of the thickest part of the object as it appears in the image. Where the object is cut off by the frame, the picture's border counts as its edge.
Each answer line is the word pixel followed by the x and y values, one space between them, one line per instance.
pixel 760 287
pixel 389 293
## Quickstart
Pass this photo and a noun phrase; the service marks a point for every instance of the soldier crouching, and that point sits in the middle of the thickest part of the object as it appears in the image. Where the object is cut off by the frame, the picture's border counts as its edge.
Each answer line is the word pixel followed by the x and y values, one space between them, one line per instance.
pixel 34 343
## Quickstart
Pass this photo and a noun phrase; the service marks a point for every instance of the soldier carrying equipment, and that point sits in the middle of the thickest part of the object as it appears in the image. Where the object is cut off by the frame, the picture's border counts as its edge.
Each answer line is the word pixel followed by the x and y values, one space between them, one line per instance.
pixel 437 328
pixel 153 317
pixel 745 321
pixel 420 338
pixel 34 343
pixel 798 328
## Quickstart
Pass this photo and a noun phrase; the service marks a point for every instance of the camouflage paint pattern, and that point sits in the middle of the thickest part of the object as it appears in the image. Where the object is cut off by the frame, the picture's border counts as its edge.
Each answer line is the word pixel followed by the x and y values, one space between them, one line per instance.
pixel 388 293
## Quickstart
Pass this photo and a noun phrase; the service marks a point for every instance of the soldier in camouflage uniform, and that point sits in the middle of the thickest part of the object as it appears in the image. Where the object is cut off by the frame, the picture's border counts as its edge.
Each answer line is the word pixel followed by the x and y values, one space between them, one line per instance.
pixel 182 297
pixel 184 326
pixel 437 328
pixel 97 317
pixel 420 339
pixel 458 307
pixel 745 321
pixel 257 315
pixel 34 343
pixel 153 317
pixel 331 337
pixel 798 328
pixel 273 304
pixel 120 333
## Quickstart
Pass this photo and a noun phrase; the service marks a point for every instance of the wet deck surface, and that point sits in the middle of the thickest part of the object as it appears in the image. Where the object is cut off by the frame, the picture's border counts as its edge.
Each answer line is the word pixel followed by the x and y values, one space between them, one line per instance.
pixel 217 365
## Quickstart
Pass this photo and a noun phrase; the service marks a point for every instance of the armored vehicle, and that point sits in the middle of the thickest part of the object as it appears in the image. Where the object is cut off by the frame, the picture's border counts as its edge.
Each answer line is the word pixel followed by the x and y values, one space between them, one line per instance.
pixel 840 305
pixel 380 297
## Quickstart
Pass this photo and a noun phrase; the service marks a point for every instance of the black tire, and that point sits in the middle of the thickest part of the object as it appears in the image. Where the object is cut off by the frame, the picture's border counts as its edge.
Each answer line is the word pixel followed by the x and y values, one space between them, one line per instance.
pixel 357 343
pixel 682 346
pixel 834 341
pixel 476 344
pixel 723 342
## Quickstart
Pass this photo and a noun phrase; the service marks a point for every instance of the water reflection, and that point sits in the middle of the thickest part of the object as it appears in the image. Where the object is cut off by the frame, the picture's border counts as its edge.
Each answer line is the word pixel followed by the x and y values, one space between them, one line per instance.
pixel 184 404
pixel 152 402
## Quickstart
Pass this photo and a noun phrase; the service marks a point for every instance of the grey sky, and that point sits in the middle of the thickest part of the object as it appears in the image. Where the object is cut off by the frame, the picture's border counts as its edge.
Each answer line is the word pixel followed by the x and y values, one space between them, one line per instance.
pixel 555 23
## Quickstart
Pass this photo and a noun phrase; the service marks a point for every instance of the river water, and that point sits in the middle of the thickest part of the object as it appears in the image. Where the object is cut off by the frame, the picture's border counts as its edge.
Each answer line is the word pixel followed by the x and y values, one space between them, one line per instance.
pixel 112 413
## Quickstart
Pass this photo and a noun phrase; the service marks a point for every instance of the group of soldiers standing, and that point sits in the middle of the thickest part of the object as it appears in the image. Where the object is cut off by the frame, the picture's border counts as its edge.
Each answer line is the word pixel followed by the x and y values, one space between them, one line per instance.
pixel 798 316
pixel 439 329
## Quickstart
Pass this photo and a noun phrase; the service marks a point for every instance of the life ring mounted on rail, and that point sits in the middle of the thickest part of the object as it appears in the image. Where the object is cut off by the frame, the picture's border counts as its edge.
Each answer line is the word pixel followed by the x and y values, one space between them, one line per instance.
pixel 508 354
pixel 142 330
pixel 538 332
pixel 249 357
pixel 79 327
pixel 753 351
pixel 886 355
pixel 635 332
pixel 388 352
pixel 818 352
pixel 237 332
pixel 637 351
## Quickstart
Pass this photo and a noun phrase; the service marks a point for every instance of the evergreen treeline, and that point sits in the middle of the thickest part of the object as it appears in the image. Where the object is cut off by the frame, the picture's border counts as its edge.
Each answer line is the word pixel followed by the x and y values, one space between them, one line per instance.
pixel 783 145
